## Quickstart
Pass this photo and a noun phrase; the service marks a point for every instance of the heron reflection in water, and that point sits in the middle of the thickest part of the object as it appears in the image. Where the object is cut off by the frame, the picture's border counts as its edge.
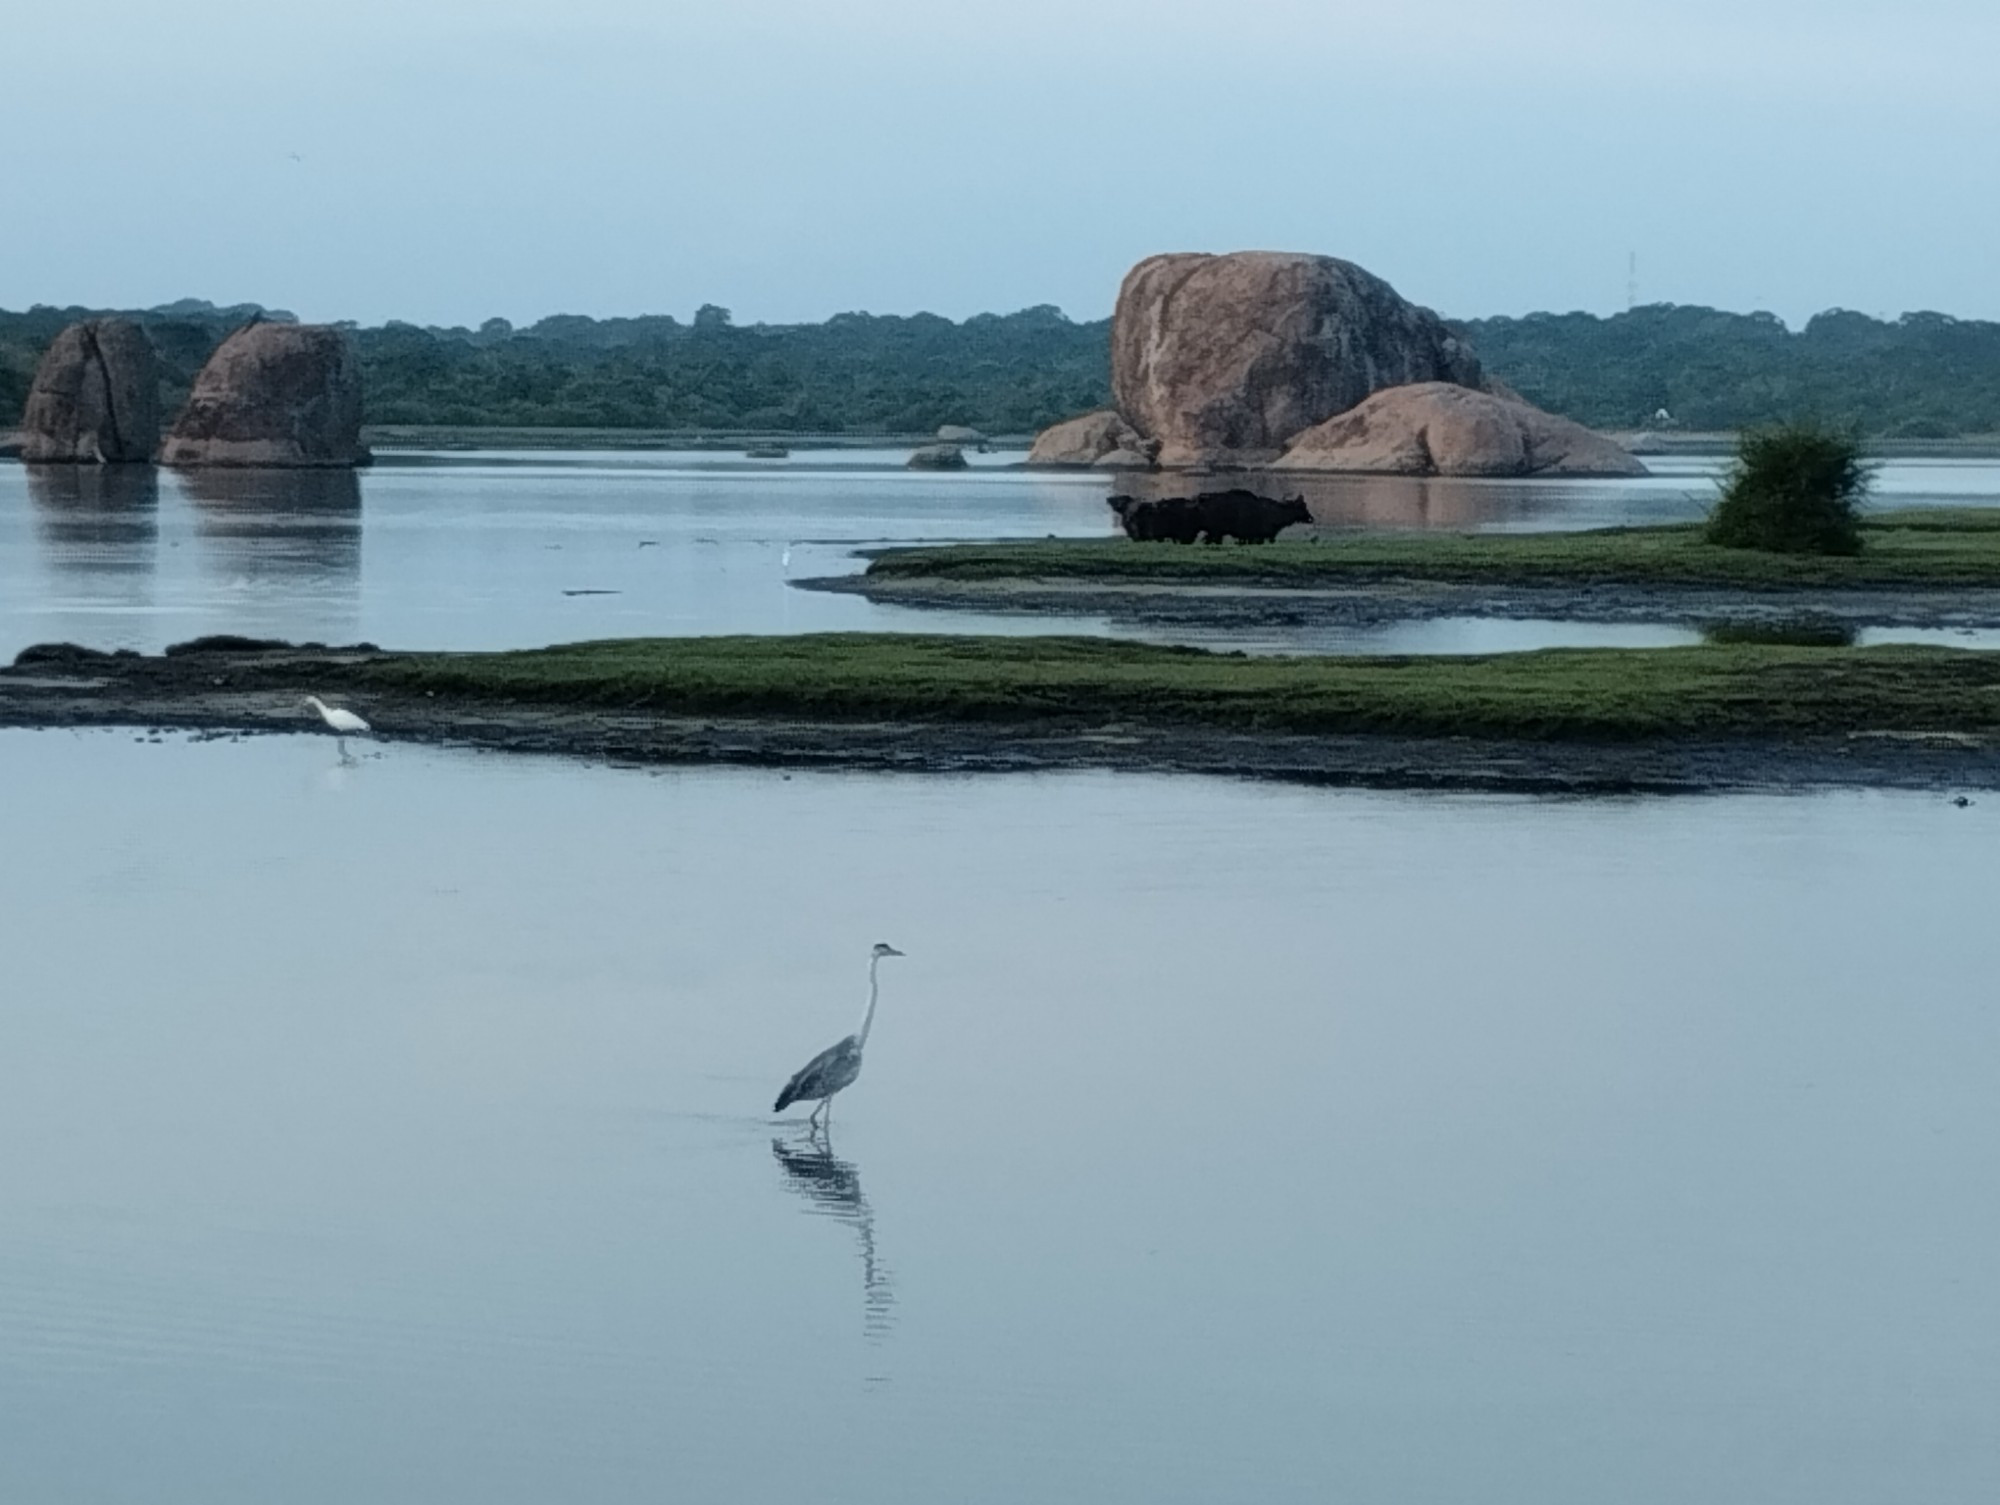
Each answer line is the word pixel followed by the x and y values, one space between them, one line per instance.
pixel 832 1187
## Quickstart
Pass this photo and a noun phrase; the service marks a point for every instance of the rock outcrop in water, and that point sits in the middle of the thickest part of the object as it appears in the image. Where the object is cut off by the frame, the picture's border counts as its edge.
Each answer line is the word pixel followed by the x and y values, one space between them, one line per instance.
pixel 1224 359
pixel 95 398
pixel 1436 429
pixel 274 395
pixel 1103 439
pixel 937 457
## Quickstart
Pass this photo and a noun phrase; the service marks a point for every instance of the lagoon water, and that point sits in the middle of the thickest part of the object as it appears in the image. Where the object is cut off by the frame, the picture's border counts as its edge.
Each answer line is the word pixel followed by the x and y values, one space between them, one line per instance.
pixel 520 549
pixel 398 1132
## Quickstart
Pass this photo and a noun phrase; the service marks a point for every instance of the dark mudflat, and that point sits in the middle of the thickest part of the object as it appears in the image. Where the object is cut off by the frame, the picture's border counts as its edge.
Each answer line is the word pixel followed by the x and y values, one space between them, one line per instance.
pixel 257 689
pixel 1373 602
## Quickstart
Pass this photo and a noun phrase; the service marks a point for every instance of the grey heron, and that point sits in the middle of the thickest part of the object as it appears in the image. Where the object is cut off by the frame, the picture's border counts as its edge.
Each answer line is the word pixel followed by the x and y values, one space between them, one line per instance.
pixel 837 1066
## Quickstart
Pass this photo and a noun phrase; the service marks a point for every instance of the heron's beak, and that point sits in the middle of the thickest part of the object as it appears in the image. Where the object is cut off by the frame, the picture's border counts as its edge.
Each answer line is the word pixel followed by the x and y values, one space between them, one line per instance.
pixel 894 952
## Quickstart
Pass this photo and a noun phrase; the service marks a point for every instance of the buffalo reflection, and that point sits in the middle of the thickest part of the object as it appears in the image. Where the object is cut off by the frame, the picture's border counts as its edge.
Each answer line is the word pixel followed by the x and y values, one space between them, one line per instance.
pixel 271 522
pixel 832 1187
pixel 96 517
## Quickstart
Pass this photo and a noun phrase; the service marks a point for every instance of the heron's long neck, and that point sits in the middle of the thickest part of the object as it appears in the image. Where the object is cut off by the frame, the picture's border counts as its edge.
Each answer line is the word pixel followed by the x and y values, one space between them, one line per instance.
pixel 874 989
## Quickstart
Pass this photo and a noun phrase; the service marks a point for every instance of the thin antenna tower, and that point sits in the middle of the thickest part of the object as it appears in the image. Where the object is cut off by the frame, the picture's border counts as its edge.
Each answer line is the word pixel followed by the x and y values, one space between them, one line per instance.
pixel 1632 283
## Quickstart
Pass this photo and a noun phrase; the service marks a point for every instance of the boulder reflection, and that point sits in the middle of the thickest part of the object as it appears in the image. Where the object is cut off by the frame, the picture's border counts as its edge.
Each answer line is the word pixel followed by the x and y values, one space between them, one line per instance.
pixel 96 517
pixel 832 1188
pixel 264 523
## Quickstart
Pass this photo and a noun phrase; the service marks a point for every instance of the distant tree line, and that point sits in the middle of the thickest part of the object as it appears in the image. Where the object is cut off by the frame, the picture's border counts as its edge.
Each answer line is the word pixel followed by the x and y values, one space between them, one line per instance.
pixel 1924 375
pixel 855 373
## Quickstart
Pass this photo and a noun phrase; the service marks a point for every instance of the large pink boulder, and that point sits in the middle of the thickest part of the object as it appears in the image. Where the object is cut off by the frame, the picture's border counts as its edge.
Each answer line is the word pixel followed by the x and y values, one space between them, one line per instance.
pixel 273 394
pixel 1224 359
pixel 95 398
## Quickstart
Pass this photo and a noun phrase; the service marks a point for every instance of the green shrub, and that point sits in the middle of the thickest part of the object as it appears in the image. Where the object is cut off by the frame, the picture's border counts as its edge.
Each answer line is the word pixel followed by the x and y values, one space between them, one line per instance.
pixel 1795 489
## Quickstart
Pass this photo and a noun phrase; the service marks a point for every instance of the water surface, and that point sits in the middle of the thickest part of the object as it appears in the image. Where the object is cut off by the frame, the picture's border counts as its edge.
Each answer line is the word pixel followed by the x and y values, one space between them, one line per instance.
pixel 397 1132
pixel 510 550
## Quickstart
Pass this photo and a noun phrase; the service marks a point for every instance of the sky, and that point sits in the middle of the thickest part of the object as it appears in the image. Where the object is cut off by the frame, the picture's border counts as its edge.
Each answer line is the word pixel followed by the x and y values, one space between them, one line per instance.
pixel 446 161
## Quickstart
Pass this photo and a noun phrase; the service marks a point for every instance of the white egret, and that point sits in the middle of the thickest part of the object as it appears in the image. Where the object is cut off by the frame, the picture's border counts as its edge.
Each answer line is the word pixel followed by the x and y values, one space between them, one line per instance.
pixel 345 723
pixel 837 1066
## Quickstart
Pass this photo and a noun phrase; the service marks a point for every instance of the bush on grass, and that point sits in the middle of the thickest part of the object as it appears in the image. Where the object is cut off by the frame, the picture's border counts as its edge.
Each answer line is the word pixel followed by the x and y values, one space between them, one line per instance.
pixel 1795 489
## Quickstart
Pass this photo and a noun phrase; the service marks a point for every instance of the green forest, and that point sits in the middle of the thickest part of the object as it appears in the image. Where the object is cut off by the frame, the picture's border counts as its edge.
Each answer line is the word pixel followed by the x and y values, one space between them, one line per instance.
pixel 1922 376
pixel 853 374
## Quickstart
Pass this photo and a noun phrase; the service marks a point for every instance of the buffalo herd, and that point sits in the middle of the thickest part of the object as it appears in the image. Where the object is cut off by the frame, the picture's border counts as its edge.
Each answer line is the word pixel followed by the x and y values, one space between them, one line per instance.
pixel 1210 517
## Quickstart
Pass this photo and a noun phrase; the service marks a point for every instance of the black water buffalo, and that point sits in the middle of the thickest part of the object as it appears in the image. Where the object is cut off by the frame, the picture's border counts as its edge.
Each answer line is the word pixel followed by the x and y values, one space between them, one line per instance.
pixel 1211 516
pixel 1174 519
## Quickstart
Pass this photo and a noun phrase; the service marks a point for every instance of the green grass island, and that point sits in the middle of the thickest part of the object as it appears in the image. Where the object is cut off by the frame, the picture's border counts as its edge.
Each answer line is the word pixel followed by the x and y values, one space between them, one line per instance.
pixel 1930 547
pixel 1589 720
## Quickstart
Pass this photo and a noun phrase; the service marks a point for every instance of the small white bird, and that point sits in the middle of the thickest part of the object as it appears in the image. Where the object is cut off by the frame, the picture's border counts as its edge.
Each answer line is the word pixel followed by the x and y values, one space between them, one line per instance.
pixel 344 723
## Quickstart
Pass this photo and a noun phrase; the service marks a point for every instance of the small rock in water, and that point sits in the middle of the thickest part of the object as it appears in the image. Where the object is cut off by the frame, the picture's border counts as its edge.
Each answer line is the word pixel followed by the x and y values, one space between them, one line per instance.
pixel 937 457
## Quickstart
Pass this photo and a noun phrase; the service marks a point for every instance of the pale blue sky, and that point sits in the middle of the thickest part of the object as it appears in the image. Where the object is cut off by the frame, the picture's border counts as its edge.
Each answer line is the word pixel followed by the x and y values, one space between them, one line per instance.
pixel 462 158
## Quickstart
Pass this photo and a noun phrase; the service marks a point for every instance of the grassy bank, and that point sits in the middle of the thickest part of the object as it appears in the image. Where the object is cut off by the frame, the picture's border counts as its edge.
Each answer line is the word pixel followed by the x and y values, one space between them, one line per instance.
pixel 1724 691
pixel 1919 547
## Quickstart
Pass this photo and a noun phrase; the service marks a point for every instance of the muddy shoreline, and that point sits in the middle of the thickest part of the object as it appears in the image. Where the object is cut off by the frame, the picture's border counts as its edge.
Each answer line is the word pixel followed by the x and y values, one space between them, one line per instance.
pixel 1369 602
pixel 258 691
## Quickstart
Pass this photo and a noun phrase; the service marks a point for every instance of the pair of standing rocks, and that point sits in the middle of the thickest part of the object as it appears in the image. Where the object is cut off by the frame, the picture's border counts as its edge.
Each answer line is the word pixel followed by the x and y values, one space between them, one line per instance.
pixel 271 394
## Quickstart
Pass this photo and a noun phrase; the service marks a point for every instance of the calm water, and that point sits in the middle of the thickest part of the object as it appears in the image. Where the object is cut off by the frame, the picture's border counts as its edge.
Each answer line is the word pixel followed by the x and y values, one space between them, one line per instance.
pixel 509 550
pixel 397 1133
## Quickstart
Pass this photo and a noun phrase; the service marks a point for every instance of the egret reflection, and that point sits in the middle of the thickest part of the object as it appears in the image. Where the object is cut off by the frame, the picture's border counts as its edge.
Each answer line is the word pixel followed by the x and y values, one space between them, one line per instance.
pixel 832 1189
